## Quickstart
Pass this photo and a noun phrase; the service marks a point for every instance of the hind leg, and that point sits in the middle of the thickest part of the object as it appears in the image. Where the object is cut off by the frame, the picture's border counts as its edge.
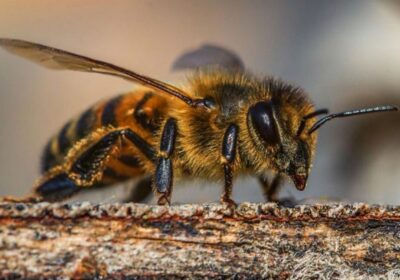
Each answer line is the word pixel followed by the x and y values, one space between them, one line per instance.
pixel 52 188
pixel 85 164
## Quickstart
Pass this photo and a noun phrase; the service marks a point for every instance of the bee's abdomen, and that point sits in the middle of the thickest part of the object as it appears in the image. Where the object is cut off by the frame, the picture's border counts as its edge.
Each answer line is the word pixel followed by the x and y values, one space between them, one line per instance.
pixel 49 159
pixel 140 111
pixel 74 130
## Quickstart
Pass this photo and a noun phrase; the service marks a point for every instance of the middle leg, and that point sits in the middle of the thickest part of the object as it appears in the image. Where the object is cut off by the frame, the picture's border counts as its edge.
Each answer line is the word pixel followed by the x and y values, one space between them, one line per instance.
pixel 164 173
pixel 227 160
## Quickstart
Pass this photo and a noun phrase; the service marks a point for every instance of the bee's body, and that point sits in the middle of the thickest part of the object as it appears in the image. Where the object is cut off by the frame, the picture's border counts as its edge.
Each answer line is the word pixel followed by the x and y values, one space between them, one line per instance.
pixel 229 123
pixel 200 132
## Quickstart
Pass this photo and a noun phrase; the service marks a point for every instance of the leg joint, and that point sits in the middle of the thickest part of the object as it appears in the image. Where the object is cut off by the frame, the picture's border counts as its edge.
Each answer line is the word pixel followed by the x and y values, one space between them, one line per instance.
pixel 147 150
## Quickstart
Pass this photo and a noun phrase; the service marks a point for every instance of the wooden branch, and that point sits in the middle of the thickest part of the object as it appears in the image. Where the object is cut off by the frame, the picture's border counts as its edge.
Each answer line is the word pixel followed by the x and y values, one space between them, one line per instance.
pixel 84 240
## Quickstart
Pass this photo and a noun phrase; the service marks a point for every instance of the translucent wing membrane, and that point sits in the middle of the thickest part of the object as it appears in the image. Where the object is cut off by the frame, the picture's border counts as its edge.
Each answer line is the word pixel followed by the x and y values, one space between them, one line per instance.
pixel 384 108
pixel 62 60
pixel 209 56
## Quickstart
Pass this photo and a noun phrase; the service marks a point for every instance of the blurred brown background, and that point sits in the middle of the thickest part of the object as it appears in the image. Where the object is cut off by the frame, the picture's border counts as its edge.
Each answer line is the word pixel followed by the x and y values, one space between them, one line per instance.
pixel 346 54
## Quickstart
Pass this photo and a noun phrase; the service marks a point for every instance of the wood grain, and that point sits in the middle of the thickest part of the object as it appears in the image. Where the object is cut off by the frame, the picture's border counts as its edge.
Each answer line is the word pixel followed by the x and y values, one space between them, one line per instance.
pixel 83 240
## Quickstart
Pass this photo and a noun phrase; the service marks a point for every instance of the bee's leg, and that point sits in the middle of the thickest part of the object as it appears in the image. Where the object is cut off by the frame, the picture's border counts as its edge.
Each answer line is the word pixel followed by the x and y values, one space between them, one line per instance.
pixel 164 172
pixel 85 169
pixel 271 189
pixel 227 159
pixel 56 187
pixel 141 191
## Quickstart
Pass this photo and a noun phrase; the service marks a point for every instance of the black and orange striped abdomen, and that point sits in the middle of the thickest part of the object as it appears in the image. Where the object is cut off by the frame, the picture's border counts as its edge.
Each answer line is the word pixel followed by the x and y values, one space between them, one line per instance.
pixel 140 110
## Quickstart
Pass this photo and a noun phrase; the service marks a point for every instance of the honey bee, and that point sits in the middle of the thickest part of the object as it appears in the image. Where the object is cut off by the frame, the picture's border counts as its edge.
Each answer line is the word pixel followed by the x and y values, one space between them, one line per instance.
pixel 224 123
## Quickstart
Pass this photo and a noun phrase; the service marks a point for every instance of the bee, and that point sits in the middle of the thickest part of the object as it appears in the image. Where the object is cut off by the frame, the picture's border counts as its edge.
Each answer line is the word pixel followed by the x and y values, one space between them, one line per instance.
pixel 222 124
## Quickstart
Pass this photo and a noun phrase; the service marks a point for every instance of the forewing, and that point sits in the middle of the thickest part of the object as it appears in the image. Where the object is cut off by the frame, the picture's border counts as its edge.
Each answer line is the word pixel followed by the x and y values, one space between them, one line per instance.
pixel 62 60
pixel 51 57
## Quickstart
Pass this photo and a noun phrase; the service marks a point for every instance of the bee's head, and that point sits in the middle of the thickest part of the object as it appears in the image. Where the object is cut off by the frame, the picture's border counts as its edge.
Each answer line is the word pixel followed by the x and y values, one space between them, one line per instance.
pixel 287 137
pixel 275 133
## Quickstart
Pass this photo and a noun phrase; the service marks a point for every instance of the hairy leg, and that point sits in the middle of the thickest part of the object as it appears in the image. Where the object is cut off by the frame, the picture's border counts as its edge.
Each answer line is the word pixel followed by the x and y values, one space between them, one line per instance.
pixel 86 162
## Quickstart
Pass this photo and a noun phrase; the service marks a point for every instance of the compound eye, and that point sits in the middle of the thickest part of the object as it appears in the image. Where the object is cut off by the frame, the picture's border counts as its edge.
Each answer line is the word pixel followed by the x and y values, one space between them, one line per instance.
pixel 264 122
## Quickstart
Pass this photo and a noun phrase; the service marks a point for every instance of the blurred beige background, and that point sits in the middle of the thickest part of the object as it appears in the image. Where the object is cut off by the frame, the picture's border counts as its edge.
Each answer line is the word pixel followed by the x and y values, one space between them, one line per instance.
pixel 346 54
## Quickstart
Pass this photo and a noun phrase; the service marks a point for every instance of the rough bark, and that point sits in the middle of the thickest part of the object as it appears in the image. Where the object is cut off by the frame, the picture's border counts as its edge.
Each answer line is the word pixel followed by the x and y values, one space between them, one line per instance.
pixel 84 240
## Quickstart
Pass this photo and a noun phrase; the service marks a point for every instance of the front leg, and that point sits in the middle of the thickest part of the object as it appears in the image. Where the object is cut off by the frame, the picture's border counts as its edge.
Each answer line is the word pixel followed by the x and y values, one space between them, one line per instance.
pixel 164 172
pixel 271 189
pixel 228 157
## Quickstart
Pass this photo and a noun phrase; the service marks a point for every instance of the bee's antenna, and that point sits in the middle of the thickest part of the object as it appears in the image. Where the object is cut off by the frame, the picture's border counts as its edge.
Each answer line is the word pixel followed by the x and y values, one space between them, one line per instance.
pixel 384 108
pixel 309 116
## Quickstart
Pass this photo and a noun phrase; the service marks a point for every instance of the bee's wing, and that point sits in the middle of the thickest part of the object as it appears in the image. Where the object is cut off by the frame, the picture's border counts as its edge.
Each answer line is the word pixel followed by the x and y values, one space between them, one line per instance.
pixel 209 56
pixel 58 59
